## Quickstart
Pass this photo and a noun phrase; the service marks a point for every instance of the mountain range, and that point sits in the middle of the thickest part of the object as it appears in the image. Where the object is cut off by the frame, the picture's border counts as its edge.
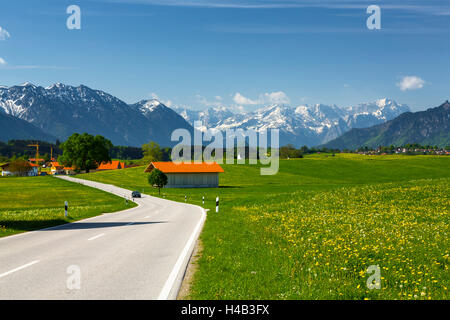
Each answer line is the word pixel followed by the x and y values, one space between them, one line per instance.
pixel 60 110
pixel 303 125
pixel 57 111
pixel 430 127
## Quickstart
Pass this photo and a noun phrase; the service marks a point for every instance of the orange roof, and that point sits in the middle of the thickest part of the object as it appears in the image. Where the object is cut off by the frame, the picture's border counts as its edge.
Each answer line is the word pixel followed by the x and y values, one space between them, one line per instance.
pixel 115 164
pixel 34 165
pixel 55 164
pixel 171 167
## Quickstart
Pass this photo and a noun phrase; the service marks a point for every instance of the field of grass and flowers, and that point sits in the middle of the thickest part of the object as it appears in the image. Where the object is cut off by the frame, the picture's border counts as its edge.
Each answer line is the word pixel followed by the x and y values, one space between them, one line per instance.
pixel 33 203
pixel 312 230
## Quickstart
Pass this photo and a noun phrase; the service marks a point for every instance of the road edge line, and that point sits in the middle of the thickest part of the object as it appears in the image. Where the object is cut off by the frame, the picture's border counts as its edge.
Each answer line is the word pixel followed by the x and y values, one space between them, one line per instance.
pixel 173 283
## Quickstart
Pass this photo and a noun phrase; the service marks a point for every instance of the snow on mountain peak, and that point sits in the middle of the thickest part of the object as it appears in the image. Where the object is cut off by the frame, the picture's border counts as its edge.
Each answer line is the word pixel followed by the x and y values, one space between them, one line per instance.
pixel 26 84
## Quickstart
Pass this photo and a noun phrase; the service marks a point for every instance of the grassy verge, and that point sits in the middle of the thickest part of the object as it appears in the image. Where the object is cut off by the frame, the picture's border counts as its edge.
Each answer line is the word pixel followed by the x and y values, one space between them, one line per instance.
pixel 312 230
pixel 33 203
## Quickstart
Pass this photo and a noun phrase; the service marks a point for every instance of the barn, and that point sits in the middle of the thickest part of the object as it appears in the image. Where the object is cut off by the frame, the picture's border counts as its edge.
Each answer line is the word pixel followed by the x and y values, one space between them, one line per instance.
pixel 189 175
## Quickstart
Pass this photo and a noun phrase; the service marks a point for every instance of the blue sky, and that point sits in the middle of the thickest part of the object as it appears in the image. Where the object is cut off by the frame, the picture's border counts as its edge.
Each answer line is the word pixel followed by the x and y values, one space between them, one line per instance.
pixel 238 54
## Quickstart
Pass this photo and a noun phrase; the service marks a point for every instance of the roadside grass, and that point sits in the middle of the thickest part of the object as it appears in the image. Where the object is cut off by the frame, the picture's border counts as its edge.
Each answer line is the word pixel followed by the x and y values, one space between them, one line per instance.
pixel 33 203
pixel 312 230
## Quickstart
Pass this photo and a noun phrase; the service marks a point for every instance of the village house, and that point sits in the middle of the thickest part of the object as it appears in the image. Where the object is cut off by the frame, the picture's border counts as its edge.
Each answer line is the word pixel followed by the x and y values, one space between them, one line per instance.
pixel 57 168
pixel 32 172
pixel 188 175
pixel 112 165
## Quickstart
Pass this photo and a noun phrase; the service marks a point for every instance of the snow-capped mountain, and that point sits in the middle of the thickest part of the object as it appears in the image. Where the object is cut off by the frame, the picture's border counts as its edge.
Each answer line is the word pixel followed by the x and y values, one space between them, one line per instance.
pixel 303 125
pixel 210 118
pixel 369 114
pixel 61 110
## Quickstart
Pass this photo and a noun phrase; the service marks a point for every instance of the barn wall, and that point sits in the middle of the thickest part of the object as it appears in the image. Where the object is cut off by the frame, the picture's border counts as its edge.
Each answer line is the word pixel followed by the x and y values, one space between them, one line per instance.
pixel 192 180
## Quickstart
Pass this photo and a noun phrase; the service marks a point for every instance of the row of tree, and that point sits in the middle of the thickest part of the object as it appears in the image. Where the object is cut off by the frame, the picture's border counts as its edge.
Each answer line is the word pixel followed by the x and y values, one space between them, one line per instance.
pixel 408 146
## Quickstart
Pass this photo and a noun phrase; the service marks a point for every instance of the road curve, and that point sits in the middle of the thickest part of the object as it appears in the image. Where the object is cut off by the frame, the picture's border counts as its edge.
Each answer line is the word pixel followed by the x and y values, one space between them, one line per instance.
pixel 139 253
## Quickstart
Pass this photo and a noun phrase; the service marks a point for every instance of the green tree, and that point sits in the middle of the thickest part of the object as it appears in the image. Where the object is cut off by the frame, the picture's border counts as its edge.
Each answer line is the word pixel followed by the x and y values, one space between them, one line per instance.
pixel 152 152
pixel 85 152
pixel 157 178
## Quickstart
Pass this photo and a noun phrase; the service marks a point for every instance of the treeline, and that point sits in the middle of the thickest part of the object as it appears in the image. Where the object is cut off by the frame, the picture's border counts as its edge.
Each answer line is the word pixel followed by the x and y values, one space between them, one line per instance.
pixel 290 152
pixel 20 149
pixel 409 147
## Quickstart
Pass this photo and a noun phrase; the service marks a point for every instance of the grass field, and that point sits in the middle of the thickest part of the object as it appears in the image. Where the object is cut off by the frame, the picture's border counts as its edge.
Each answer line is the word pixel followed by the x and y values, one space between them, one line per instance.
pixel 38 202
pixel 312 230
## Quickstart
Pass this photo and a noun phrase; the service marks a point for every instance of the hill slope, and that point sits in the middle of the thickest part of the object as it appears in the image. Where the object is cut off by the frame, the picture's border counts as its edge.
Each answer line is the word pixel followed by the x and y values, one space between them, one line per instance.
pixel 15 128
pixel 430 127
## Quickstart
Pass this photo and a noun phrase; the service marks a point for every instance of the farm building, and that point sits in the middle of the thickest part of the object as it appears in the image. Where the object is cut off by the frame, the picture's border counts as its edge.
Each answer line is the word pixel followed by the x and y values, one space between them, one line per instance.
pixel 32 171
pixel 112 165
pixel 189 175
pixel 57 168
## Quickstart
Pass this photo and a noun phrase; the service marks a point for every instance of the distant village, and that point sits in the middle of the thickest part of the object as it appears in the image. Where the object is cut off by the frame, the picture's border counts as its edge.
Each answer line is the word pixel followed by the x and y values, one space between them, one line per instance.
pixel 38 167
pixel 409 149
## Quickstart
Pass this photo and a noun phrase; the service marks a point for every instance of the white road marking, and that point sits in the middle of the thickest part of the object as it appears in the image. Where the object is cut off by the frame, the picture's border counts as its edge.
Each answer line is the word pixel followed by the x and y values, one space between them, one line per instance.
pixel 96 237
pixel 168 286
pixel 146 217
pixel 19 268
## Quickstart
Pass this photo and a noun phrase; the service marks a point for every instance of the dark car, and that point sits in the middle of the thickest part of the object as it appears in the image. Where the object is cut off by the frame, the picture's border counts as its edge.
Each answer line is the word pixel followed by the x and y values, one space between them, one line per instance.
pixel 136 194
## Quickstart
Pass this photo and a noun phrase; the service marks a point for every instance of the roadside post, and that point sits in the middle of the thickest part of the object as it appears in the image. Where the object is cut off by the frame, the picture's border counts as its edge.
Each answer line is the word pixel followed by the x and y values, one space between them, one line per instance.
pixel 66 207
pixel 185 198
pixel 217 204
pixel 203 199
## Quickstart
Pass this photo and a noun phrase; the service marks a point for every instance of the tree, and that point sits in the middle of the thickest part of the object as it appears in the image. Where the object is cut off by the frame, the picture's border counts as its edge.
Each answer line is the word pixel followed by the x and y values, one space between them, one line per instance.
pixel 152 152
pixel 157 178
pixel 85 152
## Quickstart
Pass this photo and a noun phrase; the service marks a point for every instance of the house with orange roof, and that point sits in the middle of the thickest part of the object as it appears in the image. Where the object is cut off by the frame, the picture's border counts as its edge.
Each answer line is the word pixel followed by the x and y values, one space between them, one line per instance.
pixel 56 168
pixel 112 165
pixel 188 175
pixel 7 171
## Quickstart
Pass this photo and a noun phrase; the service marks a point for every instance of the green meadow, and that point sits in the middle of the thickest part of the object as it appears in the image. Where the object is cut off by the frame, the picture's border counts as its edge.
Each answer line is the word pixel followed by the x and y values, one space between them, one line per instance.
pixel 313 230
pixel 33 203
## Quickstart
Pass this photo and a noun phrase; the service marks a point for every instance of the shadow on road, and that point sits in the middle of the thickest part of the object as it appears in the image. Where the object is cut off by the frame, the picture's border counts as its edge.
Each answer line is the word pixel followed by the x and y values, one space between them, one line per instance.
pixel 99 225
pixel 60 224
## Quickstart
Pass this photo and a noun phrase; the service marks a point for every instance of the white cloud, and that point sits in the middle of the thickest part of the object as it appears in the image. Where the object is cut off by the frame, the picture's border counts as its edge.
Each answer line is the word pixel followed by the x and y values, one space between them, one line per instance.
pixel 4 34
pixel 217 102
pixel 411 83
pixel 278 97
pixel 240 99
pixel 2 62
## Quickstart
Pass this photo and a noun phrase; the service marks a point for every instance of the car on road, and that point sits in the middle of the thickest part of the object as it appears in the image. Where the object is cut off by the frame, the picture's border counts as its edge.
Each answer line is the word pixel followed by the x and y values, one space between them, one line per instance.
pixel 136 194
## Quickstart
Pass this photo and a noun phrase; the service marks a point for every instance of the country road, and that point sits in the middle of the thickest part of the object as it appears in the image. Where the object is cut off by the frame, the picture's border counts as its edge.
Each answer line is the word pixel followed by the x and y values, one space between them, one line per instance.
pixel 140 253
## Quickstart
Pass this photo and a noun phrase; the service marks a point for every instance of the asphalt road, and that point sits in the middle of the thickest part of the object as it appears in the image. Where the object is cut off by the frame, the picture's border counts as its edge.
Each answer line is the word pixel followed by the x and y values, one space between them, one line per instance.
pixel 140 253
